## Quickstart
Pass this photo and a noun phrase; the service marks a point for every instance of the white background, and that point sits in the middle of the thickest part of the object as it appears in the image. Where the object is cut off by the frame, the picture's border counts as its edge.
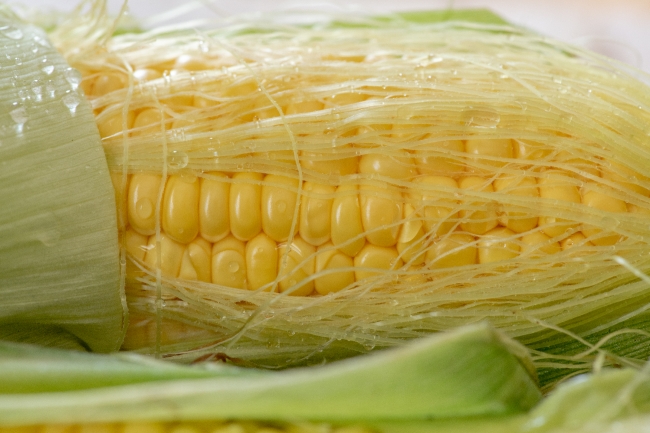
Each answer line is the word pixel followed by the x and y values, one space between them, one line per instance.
pixel 617 28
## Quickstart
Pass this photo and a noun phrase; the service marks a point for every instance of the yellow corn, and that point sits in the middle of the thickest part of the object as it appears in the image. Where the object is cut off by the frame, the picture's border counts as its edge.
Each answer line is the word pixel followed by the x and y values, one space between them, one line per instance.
pixel 239 182
pixel 257 210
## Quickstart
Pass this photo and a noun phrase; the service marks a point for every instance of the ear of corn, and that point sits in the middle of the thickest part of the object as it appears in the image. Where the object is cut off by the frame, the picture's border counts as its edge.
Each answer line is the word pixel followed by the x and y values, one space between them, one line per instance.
pixel 59 256
pixel 282 190
pixel 469 372
pixel 288 194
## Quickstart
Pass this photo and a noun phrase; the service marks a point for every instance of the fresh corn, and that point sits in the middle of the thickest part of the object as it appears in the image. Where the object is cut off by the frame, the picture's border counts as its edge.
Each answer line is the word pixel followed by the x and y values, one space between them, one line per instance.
pixel 287 194
pixel 358 170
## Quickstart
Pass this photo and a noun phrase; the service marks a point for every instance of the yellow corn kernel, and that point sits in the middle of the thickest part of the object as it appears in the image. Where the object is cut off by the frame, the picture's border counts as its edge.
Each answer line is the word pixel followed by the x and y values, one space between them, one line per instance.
pixel 347 98
pixel 229 263
pixel 146 74
pixel 279 198
pixel 405 131
pixel 182 123
pixel 135 243
pixel 580 168
pixel 556 185
pixel 295 265
pixel 316 213
pixel 346 224
pixel 454 249
pixel 180 212
pixel 188 62
pixel 149 121
pixel 381 213
pixel 108 82
pixel 600 200
pixel 430 159
pixel 171 255
pixel 531 150
pixel 411 241
pixel 488 153
pixel 497 245
pixel 372 129
pixel 261 261
pixel 202 100
pixel 373 259
pixel 626 178
pixel 632 208
pixel 112 122
pixel 328 260
pixel 535 243
pixel 264 109
pixel 399 166
pixel 574 240
pixel 241 88
pixel 141 206
pixel 518 222
pixel 440 215
pixel 196 264
pixel 481 221
pixel 176 98
pixel 245 205
pixel 86 84
pixel 214 210
pixel 303 107
pixel 330 162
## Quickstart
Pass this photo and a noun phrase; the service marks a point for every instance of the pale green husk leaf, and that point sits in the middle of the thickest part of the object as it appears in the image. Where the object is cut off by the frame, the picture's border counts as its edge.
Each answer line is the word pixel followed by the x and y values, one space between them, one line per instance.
pixel 611 401
pixel 471 371
pixel 59 256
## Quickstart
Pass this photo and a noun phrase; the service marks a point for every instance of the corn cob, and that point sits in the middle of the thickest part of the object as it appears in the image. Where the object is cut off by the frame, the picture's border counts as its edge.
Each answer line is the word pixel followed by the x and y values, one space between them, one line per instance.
pixel 396 178
pixel 364 178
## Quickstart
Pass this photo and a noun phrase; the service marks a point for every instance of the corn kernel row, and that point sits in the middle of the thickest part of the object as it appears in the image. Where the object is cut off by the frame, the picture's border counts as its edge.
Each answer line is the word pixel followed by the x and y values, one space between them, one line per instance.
pixel 237 230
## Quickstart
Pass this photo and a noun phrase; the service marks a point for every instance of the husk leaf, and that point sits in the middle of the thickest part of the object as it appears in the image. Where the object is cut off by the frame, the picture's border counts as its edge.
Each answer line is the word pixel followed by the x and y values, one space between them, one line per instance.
pixel 59 256
pixel 468 372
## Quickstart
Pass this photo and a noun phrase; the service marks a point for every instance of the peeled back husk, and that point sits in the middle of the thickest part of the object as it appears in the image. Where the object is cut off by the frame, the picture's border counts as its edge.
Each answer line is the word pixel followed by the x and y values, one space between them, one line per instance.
pixel 474 371
pixel 60 281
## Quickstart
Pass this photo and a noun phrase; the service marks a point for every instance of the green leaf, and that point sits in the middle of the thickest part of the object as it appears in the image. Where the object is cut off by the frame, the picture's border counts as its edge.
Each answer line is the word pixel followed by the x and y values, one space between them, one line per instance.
pixel 471 371
pixel 594 400
pixel 59 256
pixel 34 369
pixel 608 401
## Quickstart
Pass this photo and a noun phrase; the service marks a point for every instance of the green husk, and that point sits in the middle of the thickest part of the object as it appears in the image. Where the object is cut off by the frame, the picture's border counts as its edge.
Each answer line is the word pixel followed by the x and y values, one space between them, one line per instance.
pixel 51 386
pixel 59 256
pixel 469 372
pixel 608 401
